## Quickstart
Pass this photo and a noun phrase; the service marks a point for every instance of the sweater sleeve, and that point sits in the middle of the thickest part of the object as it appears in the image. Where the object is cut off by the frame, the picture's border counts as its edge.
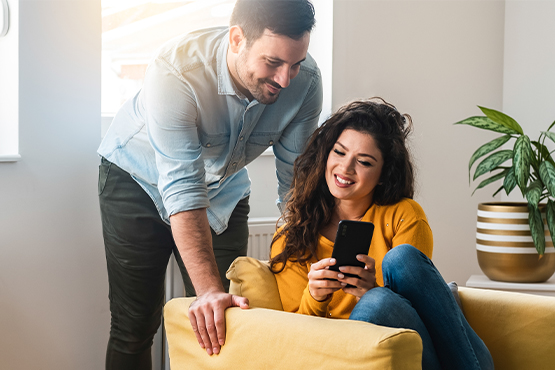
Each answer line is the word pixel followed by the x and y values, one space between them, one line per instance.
pixel 292 284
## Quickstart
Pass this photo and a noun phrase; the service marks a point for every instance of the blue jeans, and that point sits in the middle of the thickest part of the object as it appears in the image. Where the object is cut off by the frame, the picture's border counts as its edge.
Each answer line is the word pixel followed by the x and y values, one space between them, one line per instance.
pixel 416 297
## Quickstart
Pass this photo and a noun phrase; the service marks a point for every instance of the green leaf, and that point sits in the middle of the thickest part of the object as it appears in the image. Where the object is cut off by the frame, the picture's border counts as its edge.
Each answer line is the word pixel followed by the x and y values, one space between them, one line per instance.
pixel 488 181
pixel 547 175
pixel 502 119
pixel 487 148
pixel 486 124
pixel 551 126
pixel 510 181
pixel 521 160
pixel 549 134
pixel 543 153
pixel 534 192
pixel 550 213
pixel 492 161
pixel 536 228
pixel 497 191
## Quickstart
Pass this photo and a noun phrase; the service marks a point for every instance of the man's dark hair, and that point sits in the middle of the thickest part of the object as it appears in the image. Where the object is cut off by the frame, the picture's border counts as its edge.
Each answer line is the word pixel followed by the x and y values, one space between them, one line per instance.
pixel 291 18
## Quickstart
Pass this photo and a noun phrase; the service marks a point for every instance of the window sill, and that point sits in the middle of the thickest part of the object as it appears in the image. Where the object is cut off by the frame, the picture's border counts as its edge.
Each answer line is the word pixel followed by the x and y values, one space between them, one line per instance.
pixel 9 157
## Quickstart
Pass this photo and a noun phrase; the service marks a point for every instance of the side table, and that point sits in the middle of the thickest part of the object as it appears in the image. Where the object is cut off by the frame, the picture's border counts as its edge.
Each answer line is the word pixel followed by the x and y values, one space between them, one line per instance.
pixel 481 281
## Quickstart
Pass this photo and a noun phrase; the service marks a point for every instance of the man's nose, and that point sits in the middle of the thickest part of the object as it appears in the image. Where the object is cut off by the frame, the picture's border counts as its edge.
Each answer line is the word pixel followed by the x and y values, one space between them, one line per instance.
pixel 283 77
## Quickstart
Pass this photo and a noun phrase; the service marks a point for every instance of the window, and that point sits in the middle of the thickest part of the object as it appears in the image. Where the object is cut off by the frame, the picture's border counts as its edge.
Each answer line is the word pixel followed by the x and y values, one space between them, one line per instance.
pixel 9 86
pixel 132 30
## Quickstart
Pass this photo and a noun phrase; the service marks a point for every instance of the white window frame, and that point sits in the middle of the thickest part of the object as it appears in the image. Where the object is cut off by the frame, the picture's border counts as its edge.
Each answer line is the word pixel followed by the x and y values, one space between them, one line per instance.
pixel 9 87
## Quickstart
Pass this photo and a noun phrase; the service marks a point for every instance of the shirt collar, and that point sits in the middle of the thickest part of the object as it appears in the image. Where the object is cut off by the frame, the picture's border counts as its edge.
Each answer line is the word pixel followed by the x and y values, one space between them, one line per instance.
pixel 226 86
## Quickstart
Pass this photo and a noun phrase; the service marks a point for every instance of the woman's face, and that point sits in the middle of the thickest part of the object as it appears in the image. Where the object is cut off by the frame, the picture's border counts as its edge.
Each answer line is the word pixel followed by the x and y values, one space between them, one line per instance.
pixel 354 167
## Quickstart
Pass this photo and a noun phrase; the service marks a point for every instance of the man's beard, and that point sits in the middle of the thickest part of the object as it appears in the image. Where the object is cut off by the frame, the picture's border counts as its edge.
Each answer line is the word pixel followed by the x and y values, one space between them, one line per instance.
pixel 258 92
pixel 255 86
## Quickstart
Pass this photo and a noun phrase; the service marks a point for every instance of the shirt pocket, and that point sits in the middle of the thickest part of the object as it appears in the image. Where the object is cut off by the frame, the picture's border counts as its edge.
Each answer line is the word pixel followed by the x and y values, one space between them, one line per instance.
pixel 258 142
pixel 213 146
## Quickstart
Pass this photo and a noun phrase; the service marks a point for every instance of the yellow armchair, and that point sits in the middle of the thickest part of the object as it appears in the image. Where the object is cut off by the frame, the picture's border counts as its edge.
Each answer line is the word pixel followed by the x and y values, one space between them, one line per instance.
pixel 518 329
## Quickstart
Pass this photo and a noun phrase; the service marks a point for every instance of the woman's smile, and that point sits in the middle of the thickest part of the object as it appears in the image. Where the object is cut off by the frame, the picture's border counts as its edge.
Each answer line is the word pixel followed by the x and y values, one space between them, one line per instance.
pixel 343 180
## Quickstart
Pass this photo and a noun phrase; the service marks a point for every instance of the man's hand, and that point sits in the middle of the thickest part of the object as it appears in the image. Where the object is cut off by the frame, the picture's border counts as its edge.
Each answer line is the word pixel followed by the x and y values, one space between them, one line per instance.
pixel 207 318
pixel 191 233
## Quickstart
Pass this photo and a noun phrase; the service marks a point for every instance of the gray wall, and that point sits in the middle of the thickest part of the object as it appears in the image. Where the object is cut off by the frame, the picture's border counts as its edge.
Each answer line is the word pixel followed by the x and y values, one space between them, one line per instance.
pixel 53 285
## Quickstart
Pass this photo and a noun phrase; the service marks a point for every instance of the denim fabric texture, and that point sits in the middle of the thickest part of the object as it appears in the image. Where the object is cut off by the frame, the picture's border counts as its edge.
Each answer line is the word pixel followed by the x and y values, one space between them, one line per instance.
pixel 188 134
pixel 415 296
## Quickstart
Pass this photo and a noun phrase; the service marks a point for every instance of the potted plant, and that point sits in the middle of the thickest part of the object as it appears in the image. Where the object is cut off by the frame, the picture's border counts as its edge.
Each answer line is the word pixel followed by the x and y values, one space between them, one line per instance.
pixel 528 166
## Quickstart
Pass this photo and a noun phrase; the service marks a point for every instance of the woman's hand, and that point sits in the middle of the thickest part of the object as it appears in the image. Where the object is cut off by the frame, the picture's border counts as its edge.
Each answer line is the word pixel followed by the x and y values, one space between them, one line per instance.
pixel 319 286
pixel 366 279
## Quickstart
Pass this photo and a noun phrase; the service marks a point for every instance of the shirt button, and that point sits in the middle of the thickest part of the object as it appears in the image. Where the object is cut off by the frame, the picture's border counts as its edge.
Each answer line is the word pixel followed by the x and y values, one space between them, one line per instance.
pixel 208 145
pixel 241 138
pixel 271 142
pixel 234 163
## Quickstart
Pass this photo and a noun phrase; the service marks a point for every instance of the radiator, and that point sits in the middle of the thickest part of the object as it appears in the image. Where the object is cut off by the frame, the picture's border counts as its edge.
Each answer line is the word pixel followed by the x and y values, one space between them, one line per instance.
pixel 261 232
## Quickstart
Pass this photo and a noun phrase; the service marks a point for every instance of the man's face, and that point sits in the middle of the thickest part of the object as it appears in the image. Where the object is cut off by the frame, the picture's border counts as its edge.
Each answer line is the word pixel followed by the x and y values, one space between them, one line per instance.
pixel 269 64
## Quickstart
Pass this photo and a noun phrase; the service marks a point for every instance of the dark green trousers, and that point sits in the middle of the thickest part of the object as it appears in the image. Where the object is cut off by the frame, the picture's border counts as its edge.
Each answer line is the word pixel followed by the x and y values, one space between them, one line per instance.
pixel 138 246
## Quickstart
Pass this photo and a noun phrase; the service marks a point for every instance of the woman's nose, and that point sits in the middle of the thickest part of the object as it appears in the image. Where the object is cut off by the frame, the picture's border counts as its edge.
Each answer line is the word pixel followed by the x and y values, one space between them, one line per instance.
pixel 348 165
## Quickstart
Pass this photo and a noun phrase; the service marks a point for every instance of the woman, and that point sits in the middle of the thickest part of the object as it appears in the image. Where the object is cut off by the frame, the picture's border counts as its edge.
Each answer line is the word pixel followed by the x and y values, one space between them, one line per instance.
pixel 368 176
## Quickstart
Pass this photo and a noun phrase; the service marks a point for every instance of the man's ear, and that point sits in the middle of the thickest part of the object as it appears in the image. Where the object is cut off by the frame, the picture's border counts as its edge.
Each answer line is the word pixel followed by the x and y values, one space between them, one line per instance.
pixel 236 39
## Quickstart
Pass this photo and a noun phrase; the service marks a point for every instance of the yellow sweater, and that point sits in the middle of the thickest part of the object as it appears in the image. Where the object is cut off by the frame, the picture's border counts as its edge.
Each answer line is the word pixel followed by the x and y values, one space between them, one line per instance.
pixel 401 223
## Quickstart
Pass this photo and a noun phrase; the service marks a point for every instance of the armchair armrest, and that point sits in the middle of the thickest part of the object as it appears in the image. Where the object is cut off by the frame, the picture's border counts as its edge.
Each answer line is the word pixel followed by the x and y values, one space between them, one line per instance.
pixel 259 338
pixel 517 328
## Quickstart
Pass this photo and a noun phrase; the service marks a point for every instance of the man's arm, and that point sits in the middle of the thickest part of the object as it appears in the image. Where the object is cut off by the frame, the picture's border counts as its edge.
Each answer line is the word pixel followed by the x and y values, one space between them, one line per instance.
pixel 171 112
pixel 192 236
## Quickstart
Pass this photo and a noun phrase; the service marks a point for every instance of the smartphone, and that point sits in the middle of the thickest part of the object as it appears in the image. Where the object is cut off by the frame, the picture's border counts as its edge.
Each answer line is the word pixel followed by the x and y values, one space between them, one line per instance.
pixel 352 238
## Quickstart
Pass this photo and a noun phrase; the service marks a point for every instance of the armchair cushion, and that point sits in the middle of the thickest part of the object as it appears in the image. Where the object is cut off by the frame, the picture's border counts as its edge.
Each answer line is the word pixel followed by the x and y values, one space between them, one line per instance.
pixel 253 279
pixel 517 328
pixel 258 338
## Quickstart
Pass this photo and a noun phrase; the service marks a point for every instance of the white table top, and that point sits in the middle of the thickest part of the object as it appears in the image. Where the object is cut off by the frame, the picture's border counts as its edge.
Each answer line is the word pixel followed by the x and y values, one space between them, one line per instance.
pixel 481 281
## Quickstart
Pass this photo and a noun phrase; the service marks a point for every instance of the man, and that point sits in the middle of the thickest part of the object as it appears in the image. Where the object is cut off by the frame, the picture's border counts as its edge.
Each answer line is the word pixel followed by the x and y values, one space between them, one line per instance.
pixel 172 177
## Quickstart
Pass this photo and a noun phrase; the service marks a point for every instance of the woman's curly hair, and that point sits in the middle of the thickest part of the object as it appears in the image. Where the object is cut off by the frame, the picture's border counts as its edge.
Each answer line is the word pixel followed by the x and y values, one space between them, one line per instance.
pixel 310 205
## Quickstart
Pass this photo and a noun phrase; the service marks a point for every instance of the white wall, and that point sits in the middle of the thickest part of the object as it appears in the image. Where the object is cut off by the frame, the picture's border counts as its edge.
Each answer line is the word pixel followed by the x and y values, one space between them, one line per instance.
pixel 529 68
pixel 53 285
pixel 435 60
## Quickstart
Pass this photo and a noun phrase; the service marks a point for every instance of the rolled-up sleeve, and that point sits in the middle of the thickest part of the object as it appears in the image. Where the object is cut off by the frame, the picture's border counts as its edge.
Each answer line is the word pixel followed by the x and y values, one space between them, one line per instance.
pixel 294 138
pixel 171 123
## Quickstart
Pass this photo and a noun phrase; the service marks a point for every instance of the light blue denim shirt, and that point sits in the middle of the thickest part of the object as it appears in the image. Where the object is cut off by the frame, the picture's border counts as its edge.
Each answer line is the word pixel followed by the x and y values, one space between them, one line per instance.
pixel 187 135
